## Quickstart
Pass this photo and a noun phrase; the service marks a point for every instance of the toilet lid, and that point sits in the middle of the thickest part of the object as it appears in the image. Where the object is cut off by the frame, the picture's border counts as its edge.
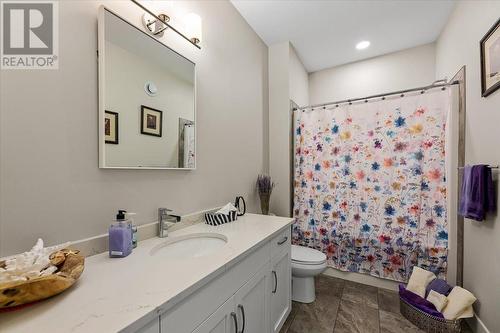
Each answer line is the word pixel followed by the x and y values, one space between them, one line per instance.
pixel 307 255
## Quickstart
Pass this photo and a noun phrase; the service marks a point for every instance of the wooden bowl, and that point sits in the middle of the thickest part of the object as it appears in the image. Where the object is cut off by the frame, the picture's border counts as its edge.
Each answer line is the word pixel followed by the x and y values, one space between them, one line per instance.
pixel 23 292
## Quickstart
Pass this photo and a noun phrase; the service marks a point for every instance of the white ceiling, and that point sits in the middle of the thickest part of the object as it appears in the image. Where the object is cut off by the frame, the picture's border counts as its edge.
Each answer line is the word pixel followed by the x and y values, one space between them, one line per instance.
pixel 325 33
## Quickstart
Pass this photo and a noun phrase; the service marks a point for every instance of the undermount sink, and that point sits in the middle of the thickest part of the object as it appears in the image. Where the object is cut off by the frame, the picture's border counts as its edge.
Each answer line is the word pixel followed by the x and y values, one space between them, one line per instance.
pixel 189 246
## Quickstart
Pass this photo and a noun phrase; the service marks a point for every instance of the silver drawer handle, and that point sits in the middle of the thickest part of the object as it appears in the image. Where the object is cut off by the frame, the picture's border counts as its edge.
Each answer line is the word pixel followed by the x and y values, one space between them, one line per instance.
pixel 283 241
pixel 235 319
pixel 242 309
pixel 275 282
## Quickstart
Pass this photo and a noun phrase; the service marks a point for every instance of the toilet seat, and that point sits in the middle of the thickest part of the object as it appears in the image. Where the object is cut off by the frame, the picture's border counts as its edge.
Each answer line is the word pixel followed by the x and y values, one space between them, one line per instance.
pixel 301 263
pixel 306 256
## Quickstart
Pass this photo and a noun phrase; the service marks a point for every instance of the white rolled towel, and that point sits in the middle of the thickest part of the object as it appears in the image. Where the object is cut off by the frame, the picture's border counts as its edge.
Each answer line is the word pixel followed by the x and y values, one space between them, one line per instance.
pixel 459 304
pixel 467 313
pixel 229 207
pixel 439 300
pixel 419 280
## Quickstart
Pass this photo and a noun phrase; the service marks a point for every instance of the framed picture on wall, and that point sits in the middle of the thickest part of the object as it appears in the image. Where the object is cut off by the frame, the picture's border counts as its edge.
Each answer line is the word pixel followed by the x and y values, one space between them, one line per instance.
pixel 151 121
pixel 490 60
pixel 111 127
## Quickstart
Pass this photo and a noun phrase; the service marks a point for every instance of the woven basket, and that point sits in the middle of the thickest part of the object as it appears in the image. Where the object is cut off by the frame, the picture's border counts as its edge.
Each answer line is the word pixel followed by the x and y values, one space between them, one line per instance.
pixel 429 323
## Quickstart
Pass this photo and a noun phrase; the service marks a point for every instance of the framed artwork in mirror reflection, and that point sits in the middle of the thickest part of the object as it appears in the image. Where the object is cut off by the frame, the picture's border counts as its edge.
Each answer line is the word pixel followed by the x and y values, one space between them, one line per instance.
pixel 151 121
pixel 111 127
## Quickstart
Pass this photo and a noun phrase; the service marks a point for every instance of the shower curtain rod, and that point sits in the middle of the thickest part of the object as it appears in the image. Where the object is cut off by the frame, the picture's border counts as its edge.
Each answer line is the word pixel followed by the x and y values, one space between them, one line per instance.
pixel 435 84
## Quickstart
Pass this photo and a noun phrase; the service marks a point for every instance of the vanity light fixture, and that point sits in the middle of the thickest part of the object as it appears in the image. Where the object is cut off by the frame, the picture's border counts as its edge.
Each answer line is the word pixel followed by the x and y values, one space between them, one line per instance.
pixel 154 26
pixel 157 24
pixel 362 45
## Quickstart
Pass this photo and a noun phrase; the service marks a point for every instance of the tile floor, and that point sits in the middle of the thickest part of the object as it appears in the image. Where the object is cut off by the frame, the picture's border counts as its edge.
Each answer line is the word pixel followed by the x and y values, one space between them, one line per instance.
pixel 348 307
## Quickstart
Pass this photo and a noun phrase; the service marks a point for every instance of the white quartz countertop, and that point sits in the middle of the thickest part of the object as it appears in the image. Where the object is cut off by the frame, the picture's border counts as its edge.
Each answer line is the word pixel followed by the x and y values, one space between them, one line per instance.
pixel 114 294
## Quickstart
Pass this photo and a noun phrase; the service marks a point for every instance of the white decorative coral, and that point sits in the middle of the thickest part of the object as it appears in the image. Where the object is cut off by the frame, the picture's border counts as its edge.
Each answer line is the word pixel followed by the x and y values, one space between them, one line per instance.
pixel 31 264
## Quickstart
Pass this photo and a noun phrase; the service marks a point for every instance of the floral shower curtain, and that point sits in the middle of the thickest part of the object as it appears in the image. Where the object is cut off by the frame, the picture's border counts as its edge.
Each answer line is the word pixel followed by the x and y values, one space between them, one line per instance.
pixel 370 187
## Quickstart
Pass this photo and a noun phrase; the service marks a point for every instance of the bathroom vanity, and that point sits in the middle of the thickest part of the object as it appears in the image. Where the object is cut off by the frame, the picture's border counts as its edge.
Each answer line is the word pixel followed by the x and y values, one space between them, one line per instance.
pixel 230 278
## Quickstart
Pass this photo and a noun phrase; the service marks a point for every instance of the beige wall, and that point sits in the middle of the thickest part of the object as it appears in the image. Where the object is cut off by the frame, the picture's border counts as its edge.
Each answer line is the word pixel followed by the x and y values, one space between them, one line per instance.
pixel 410 68
pixel 279 127
pixel 50 185
pixel 299 79
pixel 458 45
pixel 288 80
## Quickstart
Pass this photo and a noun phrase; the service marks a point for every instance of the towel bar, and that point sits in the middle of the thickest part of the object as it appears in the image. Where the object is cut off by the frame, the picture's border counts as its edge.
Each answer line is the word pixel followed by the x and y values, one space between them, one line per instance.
pixel 490 166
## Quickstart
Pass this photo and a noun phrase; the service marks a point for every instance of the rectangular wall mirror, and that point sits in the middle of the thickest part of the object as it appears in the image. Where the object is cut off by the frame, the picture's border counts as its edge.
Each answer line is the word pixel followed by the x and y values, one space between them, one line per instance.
pixel 147 111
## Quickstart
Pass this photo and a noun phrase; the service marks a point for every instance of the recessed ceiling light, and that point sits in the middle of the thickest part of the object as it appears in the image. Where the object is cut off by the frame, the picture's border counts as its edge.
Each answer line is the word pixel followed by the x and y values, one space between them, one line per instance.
pixel 362 45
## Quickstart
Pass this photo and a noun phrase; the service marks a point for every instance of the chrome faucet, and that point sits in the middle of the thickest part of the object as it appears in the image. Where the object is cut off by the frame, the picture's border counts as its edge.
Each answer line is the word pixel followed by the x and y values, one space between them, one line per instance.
pixel 164 216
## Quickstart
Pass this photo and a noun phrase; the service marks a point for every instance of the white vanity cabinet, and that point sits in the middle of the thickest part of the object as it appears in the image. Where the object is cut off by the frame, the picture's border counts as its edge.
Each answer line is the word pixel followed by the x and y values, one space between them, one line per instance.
pixel 152 327
pixel 246 281
pixel 252 296
pixel 281 289
pixel 246 311
pixel 252 303
pixel 224 320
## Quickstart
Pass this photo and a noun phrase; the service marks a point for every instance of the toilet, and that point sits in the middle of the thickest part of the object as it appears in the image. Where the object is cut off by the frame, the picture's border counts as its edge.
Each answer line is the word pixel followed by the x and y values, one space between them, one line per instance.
pixel 306 264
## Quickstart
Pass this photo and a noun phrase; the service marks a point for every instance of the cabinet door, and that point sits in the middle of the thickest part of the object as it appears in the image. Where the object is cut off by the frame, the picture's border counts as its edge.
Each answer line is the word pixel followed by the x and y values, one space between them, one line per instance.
pixel 252 303
pixel 281 291
pixel 223 320
pixel 152 327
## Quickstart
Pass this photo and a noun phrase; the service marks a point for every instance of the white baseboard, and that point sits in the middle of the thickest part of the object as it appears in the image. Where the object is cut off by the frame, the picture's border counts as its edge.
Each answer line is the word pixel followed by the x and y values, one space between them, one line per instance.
pixel 477 325
pixel 363 278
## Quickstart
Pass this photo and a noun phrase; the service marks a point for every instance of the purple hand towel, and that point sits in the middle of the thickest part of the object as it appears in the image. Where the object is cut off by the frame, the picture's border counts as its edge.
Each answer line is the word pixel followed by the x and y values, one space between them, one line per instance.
pixel 477 194
pixel 419 302
pixel 439 286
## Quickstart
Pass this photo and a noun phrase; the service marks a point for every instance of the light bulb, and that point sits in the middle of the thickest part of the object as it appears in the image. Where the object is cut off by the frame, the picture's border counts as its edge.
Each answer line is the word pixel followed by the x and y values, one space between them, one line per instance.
pixel 362 45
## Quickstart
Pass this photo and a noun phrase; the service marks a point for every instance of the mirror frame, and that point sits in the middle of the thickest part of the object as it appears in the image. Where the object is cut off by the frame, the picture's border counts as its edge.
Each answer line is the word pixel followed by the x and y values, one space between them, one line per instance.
pixel 101 57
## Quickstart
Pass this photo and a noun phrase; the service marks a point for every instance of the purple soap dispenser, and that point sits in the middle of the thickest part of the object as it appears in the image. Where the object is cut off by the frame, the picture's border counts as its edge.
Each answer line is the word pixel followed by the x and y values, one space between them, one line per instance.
pixel 120 236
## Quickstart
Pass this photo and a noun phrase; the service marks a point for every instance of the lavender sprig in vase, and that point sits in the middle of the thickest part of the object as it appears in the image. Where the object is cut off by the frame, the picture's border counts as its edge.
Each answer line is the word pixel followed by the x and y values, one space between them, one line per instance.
pixel 265 187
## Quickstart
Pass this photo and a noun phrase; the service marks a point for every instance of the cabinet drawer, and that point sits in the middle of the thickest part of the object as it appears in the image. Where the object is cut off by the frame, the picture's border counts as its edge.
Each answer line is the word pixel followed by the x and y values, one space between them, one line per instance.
pixel 185 316
pixel 281 241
